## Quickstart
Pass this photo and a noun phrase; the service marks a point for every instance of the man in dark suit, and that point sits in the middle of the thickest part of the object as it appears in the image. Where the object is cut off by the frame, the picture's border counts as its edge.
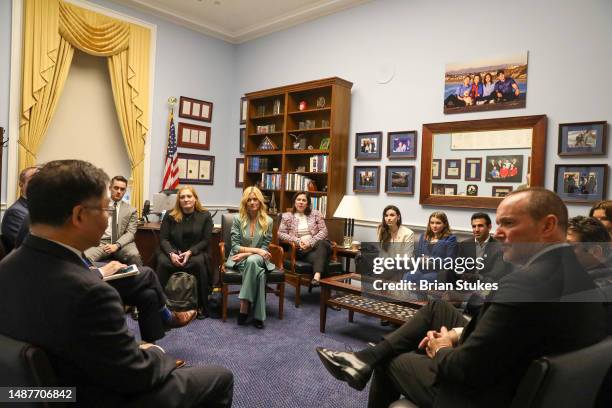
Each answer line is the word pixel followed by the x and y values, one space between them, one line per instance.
pixel 438 357
pixel 117 242
pixel 76 317
pixel 16 213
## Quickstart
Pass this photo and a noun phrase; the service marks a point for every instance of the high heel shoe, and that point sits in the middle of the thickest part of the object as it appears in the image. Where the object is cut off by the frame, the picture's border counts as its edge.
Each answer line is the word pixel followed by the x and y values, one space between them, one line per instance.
pixel 315 283
pixel 259 324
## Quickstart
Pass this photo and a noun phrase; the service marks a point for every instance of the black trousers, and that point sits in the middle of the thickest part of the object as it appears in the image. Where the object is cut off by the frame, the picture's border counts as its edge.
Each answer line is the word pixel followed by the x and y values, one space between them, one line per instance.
pixel 409 372
pixel 145 292
pixel 318 256
pixel 197 266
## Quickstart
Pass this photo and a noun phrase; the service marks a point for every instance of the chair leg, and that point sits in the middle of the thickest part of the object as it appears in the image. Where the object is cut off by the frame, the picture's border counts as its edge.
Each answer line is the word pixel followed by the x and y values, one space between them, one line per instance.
pixel 298 298
pixel 224 296
pixel 281 300
pixel 351 316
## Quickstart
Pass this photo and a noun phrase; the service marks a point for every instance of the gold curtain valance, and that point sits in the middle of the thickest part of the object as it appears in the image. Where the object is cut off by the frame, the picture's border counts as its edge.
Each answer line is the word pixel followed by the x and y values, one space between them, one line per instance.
pixel 93 33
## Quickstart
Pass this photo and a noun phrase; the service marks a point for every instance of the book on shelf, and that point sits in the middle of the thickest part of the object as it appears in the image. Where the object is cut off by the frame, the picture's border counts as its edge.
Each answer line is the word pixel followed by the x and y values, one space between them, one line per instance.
pixel 257 163
pixel 318 163
pixel 271 181
pixel 320 203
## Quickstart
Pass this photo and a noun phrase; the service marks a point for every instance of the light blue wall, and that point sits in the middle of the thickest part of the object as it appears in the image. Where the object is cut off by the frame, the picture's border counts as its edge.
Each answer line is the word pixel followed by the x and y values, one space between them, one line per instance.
pixel 569 68
pixel 5 69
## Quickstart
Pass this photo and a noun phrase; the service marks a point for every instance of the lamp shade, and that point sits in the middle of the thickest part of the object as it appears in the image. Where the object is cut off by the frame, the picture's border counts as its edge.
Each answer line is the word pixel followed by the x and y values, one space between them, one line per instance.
pixel 350 207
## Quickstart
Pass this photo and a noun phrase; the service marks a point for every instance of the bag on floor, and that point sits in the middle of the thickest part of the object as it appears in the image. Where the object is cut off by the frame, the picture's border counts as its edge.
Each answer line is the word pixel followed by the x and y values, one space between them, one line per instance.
pixel 182 291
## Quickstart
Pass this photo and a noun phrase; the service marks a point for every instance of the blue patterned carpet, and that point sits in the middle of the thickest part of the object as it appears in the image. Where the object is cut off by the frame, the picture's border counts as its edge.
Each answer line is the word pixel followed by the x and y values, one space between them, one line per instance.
pixel 277 367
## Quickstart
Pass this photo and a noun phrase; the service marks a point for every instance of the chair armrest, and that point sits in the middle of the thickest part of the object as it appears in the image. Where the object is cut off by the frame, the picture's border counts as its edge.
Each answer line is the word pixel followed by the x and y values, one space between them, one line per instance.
pixel 277 255
pixel 222 256
pixel 290 249
pixel 334 255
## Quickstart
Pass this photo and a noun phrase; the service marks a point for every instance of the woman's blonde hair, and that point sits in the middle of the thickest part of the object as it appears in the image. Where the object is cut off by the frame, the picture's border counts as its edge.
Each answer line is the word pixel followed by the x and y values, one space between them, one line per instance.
pixel 177 211
pixel 262 214
pixel 429 234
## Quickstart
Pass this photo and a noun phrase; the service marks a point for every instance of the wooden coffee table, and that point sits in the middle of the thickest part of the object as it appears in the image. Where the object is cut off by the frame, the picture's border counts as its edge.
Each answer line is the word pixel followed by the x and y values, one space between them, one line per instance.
pixel 349 296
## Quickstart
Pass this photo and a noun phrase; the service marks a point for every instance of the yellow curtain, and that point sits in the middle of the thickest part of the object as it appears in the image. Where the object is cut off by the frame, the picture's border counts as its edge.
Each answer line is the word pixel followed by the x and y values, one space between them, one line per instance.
pixel 52 29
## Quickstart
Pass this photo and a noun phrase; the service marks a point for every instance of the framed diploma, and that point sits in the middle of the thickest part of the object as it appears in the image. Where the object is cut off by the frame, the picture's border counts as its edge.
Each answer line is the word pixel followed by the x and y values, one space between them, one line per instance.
pixel 193 136
pixel 196 169
pixel 197 109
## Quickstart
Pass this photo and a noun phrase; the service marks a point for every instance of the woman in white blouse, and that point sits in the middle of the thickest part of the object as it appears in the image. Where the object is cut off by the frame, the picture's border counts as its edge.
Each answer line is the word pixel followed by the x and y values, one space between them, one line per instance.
pixel 394 238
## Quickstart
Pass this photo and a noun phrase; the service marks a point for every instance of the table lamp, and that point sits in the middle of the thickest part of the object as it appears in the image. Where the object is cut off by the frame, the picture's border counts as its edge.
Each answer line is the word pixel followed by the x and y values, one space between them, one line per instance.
pixel 349 209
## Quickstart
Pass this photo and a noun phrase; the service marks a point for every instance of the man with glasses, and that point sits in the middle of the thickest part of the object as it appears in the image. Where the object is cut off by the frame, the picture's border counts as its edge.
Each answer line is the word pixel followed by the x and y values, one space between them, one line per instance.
pixel 62 306
pixel 117 242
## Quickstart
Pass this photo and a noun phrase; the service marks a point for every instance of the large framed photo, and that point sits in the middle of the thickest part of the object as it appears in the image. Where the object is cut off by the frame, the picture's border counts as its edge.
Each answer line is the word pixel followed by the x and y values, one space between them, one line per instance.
pixel 243 110
pixel 581 183
pixel 366 179
pixel 402 145
pixel 399 180
pixel 452 169
pixel 368 146
pixel 582 139
pixel 239 180
pixel 507 169
pixel 196 169
pixel 486 84
pixel 473 169
pixel 197 109
pixel 436 169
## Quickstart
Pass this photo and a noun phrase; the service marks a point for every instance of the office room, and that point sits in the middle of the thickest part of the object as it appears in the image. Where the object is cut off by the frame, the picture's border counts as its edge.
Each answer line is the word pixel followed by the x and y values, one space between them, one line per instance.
pixel 326 203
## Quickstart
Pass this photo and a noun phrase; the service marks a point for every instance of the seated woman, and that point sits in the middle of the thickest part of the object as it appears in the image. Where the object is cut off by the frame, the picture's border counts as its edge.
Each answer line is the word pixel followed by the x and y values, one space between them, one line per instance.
pixel 434 246
pixel 250 236
pixel 394 238
pixel 305 227
pixel 184 236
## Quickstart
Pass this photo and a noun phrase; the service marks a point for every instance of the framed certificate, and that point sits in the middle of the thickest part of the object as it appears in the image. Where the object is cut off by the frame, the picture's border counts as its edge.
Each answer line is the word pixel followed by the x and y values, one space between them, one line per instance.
pixel 197 109
pixel 193 136
pixel 196 169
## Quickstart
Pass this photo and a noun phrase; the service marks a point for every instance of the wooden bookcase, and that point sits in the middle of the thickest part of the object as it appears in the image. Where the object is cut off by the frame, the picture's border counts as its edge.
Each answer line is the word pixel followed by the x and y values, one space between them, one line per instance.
pixel 276 114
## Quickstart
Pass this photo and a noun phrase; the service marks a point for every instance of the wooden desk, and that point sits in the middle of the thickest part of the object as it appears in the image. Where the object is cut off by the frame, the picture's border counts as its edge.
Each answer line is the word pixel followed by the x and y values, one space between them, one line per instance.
pixel 147 241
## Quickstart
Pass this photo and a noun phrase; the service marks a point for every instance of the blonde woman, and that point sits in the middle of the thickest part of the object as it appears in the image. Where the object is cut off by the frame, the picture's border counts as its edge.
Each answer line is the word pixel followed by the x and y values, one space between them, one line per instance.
pixel 184 237
pixel 250 236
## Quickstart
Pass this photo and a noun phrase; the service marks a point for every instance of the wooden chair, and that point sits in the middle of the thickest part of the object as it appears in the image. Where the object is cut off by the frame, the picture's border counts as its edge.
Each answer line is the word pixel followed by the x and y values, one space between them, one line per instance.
pixel 229 276
pixel 298 273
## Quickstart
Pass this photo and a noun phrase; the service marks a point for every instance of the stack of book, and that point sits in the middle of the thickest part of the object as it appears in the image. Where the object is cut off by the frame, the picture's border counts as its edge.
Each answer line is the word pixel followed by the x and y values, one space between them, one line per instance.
pixel 271 181
pixel 257 163
pixel 318 163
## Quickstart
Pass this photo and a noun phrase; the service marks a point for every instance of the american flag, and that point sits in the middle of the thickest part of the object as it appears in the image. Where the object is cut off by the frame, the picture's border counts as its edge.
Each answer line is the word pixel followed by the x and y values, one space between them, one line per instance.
pixel 171 169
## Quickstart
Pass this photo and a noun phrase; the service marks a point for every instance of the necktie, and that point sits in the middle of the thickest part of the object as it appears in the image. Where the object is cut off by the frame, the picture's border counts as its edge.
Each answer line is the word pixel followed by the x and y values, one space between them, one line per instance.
pixel 114 225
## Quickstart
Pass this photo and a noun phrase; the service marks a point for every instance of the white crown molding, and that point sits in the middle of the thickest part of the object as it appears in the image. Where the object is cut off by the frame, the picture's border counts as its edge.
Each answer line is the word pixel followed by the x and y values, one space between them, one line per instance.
pixel 250 33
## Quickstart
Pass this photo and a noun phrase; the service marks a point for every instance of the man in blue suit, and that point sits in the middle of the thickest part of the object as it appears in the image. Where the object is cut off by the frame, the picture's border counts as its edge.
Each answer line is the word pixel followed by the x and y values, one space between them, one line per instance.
pixel 16 213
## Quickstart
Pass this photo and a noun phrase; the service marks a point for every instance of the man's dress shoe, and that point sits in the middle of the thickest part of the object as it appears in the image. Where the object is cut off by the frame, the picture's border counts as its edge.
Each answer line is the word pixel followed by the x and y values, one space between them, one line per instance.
pixel 180 363
pixel 180 319
pixel 346 367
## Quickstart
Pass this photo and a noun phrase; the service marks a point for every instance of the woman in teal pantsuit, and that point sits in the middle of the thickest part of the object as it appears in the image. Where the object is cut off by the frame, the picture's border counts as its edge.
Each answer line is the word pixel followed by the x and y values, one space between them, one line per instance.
pixel 250 236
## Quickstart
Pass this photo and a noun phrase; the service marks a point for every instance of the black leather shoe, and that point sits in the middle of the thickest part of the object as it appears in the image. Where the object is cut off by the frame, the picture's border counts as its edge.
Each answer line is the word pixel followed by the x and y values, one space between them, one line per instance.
pixel 258 324
pixel 346 367
pixel 242 318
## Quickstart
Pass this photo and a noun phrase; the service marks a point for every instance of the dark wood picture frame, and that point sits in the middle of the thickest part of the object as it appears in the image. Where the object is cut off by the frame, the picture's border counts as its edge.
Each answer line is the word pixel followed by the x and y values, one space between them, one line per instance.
pixel 198 179
pixel 407 190
pixel 239 172
pixel 447 166
pixel 496 191
pixel 536 123
pixel 439 163
pixel 467 173
pixel 190 128
pixel 601 139
pixel 579 197
pixel 242 140
pixel 411 136
pixel 244 105
pixel 191 108
pixel 444 186
pixel 376 155
pixel 359 188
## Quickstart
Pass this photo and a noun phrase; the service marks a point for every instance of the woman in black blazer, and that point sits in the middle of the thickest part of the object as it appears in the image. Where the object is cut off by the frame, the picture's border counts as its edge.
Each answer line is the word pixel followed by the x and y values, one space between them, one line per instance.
pixel 184 236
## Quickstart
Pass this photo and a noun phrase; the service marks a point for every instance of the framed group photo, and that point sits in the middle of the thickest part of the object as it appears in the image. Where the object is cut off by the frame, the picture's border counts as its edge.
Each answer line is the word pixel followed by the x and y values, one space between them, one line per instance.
pixel 402 145
pixel 366 179
pixel 368 146
pixel 581 183
pixel 582 139
pixel 399 180
pixel 507 169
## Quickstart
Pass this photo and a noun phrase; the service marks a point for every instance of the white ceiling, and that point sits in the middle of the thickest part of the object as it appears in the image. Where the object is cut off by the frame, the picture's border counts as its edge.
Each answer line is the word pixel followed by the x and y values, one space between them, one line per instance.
pixel 238 21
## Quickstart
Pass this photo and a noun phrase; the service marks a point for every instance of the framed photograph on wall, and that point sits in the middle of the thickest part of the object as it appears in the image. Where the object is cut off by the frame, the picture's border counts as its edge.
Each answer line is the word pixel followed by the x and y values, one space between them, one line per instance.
pixel 196 109
pixel 368 146
pixel 471 190
pixel 436 169
pixel 581 183
pixel 243 110
pixel 399 180
pixel 366 179
pixel 444 189
pixel 402 145
pixel 242 147
pixel 239 181
pixel 473 169
pixel 500 191
pixel 582 139
pixel 507 169
pixel 196 169
pixel 193 136
pixel 452 169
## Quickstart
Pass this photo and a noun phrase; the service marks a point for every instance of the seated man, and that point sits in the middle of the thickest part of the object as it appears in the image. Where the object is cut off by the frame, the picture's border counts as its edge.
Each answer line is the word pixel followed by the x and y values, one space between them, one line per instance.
pixel 433 359
pixel 118 239
pixel 16 213
pixel 77 318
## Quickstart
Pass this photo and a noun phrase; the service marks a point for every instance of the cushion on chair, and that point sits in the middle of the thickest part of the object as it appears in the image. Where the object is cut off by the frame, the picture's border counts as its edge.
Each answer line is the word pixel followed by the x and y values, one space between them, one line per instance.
pixel 300 266
pixel 226 230
pixel 24 364
pixel 335 268
pixel 234 277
